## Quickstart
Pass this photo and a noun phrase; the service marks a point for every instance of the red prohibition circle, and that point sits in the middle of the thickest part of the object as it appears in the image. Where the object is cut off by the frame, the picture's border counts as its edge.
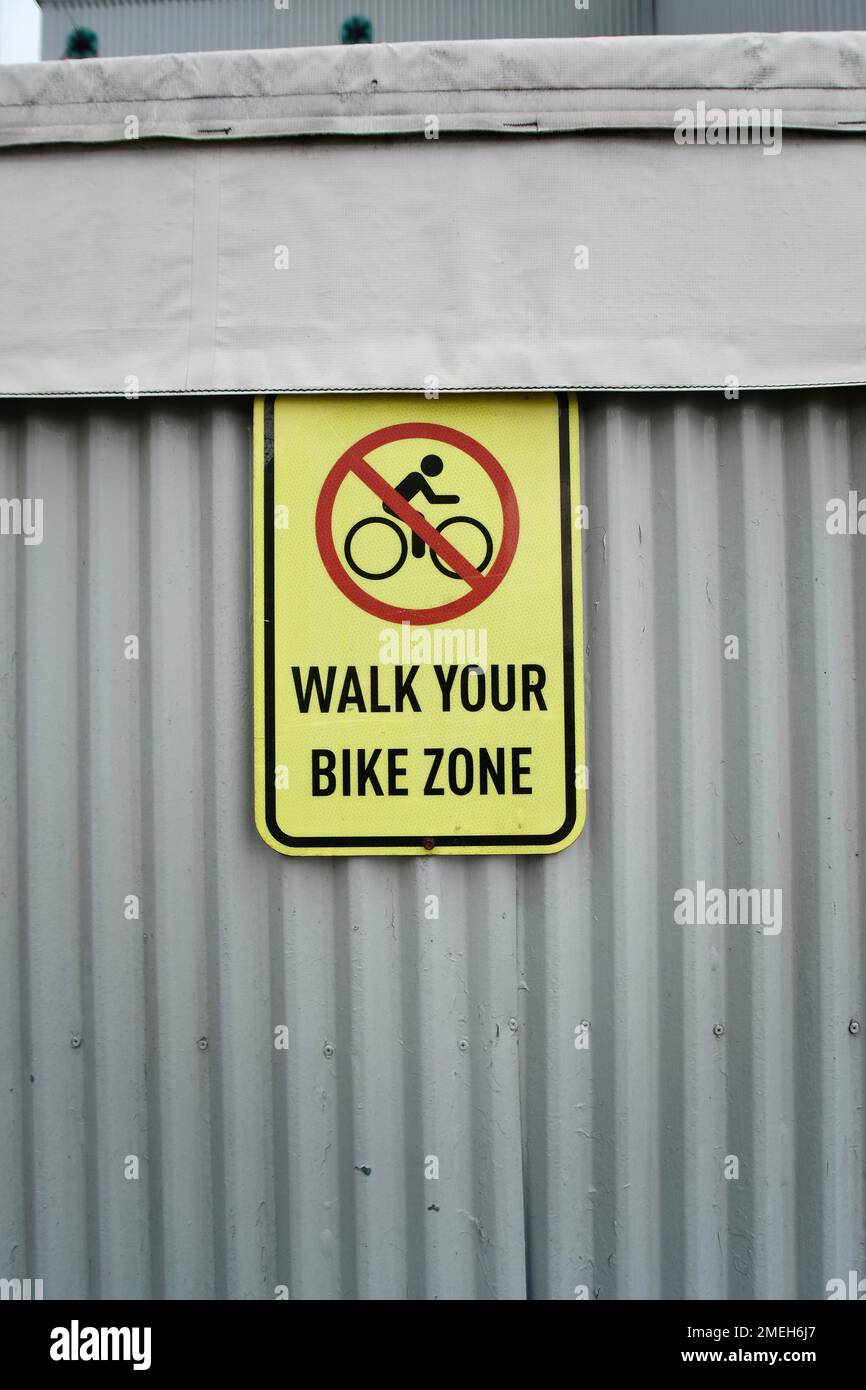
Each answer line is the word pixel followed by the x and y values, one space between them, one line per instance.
pixel 353 461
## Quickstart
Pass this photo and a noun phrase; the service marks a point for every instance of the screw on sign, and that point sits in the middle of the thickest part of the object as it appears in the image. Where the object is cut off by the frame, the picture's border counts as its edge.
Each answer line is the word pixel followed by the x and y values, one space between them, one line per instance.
pixel 446 556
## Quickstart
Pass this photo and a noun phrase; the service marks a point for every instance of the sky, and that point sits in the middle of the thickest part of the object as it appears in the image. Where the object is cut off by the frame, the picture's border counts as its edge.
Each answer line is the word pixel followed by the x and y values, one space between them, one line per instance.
pixel 20 25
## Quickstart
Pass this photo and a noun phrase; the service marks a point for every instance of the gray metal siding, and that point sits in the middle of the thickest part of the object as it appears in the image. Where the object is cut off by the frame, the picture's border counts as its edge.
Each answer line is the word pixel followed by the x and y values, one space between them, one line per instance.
pixel 166 26
pixel 455 1036
pixel 763 16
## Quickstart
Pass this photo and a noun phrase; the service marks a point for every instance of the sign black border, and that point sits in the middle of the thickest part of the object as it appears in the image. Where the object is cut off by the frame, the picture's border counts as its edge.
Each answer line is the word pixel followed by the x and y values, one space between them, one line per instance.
pixel 417 841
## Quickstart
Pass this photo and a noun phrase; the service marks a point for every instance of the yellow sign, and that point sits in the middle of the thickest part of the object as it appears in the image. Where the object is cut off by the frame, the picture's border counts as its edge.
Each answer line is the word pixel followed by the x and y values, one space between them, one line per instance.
pixel 418 621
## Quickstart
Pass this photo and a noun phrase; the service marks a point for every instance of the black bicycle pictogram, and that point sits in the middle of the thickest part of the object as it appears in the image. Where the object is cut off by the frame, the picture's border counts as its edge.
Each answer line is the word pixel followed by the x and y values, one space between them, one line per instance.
pixel 412 484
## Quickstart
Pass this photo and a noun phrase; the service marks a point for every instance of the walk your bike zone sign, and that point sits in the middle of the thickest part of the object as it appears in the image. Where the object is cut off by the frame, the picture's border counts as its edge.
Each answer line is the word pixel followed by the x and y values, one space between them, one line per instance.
pixel 418 624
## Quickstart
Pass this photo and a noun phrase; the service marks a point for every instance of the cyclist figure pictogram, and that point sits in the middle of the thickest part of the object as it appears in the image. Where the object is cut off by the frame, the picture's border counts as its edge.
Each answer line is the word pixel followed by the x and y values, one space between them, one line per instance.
pixel 412 484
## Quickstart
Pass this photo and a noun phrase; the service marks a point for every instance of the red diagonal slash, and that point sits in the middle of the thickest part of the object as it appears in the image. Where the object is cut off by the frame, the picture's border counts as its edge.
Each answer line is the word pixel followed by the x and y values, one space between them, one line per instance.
pixel 419 524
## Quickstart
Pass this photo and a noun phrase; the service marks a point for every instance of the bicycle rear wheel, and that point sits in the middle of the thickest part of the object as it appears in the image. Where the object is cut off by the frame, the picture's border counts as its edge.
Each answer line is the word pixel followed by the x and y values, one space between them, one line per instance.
pixel 374 521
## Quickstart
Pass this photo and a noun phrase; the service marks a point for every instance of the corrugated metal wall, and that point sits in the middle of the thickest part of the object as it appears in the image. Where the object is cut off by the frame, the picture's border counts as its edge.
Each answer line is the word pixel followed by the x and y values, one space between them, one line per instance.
pixel 167 26
pixel 764 16
pixel 453 1037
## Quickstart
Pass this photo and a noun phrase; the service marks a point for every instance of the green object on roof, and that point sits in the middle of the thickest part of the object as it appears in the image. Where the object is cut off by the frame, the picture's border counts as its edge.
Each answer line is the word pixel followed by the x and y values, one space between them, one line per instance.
pixel 82 43
pixel 357 29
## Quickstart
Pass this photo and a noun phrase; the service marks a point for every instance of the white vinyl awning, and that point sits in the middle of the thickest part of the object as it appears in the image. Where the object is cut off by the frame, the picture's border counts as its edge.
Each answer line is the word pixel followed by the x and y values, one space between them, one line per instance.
pixel 507 215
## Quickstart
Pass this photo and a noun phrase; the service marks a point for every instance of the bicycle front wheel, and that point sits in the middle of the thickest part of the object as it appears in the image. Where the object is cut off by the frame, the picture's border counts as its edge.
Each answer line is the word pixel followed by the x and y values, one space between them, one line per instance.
pixel 466 543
